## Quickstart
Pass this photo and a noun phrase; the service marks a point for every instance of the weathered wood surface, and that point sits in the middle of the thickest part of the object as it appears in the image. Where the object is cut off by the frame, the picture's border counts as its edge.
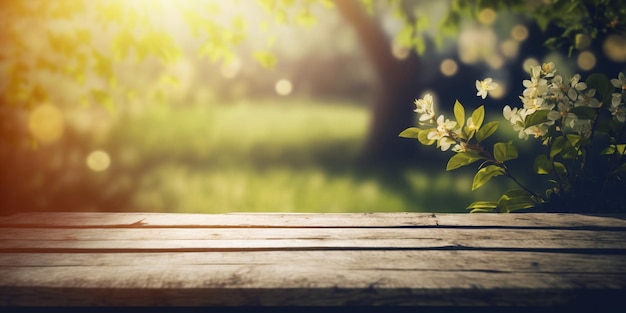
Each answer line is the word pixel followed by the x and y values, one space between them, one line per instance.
pixel 312 259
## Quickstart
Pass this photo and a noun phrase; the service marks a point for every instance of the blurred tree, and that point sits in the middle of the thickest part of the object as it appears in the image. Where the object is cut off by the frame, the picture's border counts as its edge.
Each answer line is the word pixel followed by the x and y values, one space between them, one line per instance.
pixel 45 42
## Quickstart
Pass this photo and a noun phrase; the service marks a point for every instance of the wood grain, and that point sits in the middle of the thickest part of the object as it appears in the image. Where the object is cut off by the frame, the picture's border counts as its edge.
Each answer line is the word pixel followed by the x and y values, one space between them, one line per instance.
pixel 312 259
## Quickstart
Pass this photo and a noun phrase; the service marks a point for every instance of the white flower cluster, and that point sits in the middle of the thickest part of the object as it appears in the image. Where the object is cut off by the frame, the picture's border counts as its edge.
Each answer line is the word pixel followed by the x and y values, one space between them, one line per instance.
pixel 617 105
pixel 445 132
pixel 548 92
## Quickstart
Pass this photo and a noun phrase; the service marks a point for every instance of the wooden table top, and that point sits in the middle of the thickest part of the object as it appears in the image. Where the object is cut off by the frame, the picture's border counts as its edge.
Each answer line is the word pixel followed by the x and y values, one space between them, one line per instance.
pixel 258 259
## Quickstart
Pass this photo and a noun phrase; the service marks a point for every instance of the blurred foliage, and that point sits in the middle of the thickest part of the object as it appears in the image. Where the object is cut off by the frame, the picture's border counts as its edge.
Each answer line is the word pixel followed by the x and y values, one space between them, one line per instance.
pixel 572 19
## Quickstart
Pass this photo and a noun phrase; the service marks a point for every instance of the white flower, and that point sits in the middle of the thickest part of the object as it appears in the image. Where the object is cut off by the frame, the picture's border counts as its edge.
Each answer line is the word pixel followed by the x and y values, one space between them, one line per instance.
pixel 425 108
pixel 484 87
pixel 460 147
pixel 587 99
pixel 516 117
pixel 567 117
pixel 535 87
pixel 548 70
pixel 617 109
pixel 557 85
pixel 620 82
pixel 577 84
pixel 616 99
pixel 582 127
pixel 537 130
pixel 442 133
pixel 533 104
pixel 619 113
pixel 444 126
pixel 535 72
pixel 470 124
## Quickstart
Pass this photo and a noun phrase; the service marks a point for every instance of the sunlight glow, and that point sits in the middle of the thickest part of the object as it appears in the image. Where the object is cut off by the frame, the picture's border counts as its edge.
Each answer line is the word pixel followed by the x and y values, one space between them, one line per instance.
pixel 230 69
pixel 283 87
pixel 46 123
pixel 586 60
pixel 476 44
pixel 98 161
pixel 448 67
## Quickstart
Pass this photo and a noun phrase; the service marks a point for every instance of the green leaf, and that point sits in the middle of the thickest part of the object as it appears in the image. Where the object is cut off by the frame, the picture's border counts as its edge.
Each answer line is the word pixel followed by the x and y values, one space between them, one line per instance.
pixel 478 116
pixel 459 113
pixel 504 151
pixel 558 144
pixel 411 132
pixel 620 169
pixel 560 168
pixel 514 200
pixel 602 85
pixel 483 206
pixel 423 137
pixel 461 159
pixel 542 165
pixel 486 131
pixel 485 174
pixel 584 113
pixel 266 59
pixel 538 117
pixel 103 98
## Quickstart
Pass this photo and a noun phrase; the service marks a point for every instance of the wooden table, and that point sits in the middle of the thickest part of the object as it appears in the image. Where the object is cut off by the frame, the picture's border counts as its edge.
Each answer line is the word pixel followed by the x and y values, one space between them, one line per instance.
pixel 418 259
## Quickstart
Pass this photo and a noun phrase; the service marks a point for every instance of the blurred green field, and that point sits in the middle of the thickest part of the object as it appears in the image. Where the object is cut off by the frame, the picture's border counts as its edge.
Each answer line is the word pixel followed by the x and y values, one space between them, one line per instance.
pixel 286 156
pixel 291 156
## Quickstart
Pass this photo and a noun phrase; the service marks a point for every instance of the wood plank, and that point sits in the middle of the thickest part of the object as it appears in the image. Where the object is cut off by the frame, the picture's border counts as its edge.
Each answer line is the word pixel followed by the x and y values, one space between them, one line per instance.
pixel 138 234
pixel 312 259
pixel 99 219
pixel 488 261
pixel 611 247
pixel 281 285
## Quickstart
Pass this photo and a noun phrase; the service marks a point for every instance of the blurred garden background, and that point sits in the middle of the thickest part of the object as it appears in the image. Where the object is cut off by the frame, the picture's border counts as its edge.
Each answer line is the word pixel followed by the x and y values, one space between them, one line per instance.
pixel 262 106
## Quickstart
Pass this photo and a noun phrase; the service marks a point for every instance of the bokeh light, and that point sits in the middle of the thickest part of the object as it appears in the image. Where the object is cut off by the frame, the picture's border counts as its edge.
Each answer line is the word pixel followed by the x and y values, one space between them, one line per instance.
pixel 487 16
pixel 500 91
pixel 283 87
pixel 615 48
pixel 448 67
pixel 519 33
pixel 399 51
pixel 586 60
pixel 476 44
pixel 98 161
pixel 528 63
pixel 509 48
pixel 46 123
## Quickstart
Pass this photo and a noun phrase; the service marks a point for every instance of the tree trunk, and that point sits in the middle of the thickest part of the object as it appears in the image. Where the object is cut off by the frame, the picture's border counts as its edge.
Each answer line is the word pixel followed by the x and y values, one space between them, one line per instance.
pixel 392 110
